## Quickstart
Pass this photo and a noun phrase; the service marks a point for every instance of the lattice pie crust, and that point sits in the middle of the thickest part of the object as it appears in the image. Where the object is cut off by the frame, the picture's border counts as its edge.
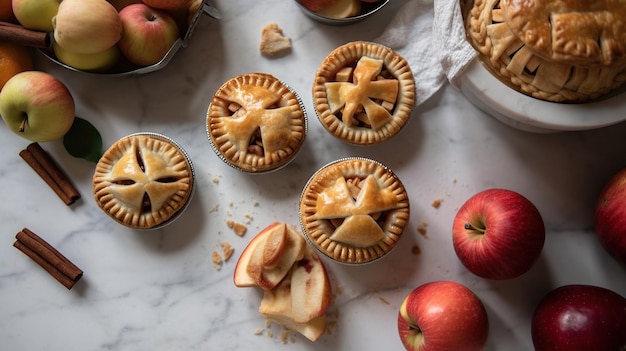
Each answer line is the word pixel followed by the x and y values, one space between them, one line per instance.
pixel 560 51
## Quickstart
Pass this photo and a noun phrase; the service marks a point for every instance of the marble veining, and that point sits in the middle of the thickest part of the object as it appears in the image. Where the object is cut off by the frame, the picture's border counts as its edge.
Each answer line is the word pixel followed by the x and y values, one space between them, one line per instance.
pixel 159 290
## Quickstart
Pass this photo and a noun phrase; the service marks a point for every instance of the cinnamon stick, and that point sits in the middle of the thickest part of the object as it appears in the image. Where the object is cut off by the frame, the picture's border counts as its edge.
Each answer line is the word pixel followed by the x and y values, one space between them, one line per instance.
pixel 43 164
pixel 57 265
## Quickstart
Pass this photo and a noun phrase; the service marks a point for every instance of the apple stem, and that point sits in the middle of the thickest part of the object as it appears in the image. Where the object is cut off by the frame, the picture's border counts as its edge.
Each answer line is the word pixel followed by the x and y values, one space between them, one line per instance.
pixel 470 226
pixel 22 126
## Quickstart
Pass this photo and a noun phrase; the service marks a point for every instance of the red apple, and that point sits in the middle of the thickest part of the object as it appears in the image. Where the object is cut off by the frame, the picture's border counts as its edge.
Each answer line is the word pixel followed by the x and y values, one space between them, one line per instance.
pixel 610 216
pixel 170 5
pixel 148 34
pixel 580 317
pixel 317 5
pixel 443 316
pixel 498 234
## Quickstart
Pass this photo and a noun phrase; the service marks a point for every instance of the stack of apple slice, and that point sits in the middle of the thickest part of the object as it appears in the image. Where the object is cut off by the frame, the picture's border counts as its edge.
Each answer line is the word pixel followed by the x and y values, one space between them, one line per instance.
pixel 296 286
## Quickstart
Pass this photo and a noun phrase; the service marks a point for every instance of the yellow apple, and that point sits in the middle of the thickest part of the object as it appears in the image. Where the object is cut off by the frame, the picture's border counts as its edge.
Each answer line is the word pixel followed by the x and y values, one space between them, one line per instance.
pixel 37 106
pixel 87 26
pixel 35 14
pixel 97 62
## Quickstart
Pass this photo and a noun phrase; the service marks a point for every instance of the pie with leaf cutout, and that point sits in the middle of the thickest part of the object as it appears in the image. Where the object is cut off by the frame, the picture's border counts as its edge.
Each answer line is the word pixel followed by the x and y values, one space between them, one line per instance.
pixel 553 50
pixel 143 181
pixel 354 210
pixel 364 93
pixel 256 123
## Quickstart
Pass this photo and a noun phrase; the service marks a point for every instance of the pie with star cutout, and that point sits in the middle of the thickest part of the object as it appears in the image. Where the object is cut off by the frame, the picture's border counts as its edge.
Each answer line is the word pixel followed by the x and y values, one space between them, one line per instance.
pixel 364 93
pixel 256 123
pixel 143 181
pixel 553 50
pixel 354 210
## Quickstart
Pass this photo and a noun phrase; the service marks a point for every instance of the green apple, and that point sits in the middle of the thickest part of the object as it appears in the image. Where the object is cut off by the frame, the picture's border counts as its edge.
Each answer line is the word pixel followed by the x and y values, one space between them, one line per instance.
pixel 87 26
pixel 37 106
pixel 148 34
pixel 36 14
pixel 98 62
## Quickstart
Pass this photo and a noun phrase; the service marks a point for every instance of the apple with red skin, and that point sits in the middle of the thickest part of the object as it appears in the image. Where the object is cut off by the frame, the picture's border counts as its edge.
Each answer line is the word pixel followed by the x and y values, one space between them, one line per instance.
pixel 169 5
pixel 498 234
pixel 580 317
pixel 443 315
pixel 610 216
pixel 148 34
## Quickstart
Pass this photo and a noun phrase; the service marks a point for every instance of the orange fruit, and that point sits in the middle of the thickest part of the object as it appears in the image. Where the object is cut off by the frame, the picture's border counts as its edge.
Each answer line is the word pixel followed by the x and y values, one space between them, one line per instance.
pixel 6 11
pixel 13 60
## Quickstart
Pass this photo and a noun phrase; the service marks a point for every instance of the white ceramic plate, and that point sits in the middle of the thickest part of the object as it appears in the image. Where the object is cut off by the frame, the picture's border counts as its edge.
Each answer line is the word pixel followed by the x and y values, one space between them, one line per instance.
pixel 530 114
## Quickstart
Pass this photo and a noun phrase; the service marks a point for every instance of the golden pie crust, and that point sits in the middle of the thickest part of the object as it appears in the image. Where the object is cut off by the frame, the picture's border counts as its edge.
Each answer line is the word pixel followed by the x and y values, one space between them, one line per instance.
pixel 256 123
pixel 354 210
pixel 559 51
pixel 364 93
pixel 143 181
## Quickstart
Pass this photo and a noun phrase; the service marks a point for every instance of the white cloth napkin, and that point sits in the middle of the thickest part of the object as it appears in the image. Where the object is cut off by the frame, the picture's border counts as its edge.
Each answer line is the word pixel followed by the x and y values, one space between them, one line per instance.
pixel 430 35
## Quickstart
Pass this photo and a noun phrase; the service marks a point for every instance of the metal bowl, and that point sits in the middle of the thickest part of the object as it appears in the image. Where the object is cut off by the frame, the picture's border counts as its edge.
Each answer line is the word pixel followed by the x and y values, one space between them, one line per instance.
pixel 44 42
pixel 367 10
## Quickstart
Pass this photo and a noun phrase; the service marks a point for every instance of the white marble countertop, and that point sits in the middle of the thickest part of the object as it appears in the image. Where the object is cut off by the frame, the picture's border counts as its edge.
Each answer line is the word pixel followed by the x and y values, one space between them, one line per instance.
pixel 160 291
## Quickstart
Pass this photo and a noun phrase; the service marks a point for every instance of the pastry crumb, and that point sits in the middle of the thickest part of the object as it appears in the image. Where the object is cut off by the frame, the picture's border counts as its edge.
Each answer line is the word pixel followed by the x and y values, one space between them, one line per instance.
pixel 437 203
pixel 284 335
pixel 273 42
pixel 227 250
pixel 421 228
pixel 238 228
pixel 216 180
pixel 214 208
pixel 258 331
pixel 415 250
pixel 217 260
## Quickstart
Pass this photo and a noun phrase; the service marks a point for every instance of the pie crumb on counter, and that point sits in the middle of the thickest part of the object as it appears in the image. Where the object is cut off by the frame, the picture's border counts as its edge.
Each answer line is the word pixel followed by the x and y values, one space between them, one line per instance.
pixel 273 42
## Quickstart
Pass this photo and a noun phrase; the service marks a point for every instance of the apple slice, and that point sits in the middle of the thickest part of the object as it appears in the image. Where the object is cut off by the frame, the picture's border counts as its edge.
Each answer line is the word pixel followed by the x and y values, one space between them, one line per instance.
pixel 292 252
pixel 341 9
pixel 274 246
pixel 310 288
pixel 242 276
pixel 276 307
pixel 312 329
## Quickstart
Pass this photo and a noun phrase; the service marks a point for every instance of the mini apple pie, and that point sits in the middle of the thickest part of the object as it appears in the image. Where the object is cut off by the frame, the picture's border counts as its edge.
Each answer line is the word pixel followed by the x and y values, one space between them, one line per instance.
pixel 143 181
pixel 354 210
pixel 256 123
pixel 560 51
pixel 364 93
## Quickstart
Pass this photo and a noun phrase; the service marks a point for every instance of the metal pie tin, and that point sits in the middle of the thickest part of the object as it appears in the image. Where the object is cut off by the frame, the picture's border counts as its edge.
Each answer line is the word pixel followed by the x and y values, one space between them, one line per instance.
pixel 316 230
pixel 259 171
pixel 183 208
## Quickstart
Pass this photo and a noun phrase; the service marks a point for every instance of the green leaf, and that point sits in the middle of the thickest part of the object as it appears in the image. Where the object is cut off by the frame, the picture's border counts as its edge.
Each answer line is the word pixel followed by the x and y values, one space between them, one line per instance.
pixel 83 141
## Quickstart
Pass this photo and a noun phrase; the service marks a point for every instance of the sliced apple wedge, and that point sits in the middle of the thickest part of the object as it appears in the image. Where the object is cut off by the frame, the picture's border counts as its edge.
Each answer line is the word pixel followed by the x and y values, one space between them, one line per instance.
pixel 252 253
pixel 312 329
pixel 342 9
pixel 276 307
pixel 292 252
pixel 296 287
pixel 274 246
pixel 310 288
